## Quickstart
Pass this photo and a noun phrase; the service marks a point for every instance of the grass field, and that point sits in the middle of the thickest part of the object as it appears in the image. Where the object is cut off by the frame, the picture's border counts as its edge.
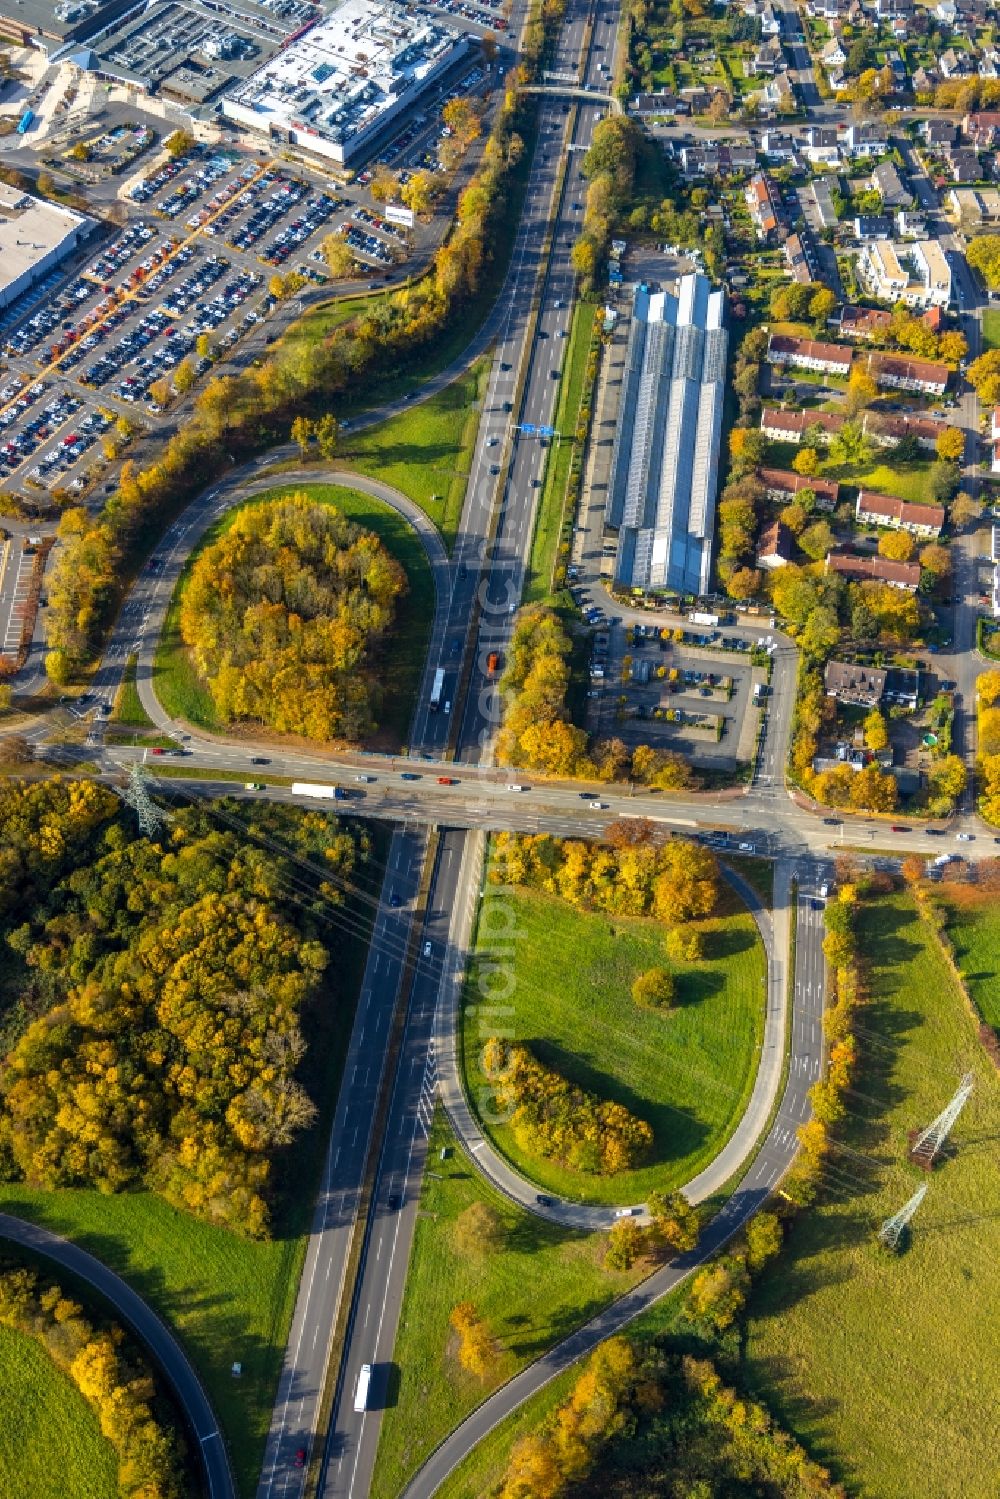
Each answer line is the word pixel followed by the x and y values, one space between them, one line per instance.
pixel 227 1298
pixel 182 693
pixel 544 1282
pixel 886 1367
pixel 974 929
pixel 688 1073
pixel 909 483
pixel 426 451
pixel 548 522
pixel 991 328
pixel 128 710
pixel 51 1445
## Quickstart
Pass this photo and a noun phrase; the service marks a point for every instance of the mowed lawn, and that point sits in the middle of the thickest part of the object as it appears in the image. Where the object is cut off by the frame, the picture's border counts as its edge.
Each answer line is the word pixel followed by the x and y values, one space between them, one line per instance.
pixel 974 929
pixel 541 1284
pixel 886 1367
pixel 184 695
pixel 991 327
pixel 688 1073
pixel 51 1446
pixel 426 451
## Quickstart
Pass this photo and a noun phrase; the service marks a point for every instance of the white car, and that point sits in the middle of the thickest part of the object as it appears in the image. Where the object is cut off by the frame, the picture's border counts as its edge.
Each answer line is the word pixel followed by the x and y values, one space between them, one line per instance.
pixel 964 837
pixel 598 806
pixel 365 779
pixel 427 949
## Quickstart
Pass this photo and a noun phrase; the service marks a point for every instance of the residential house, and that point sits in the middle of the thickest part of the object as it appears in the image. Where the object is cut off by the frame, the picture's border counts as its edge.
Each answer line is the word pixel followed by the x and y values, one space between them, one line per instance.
pixel 896 372
pixel 770 21
pixel 925 80
pixel 952 64
pixel 888 511
pixel 848 682
pixel 995 434
pixel 963 164
pixel 768 58
pixel 868 138
pixel 975 207
pixel 917 274
pixel 886 9
pixel 833 54
pixel 651 105
pixel 776 547
pixel 887 429
pixel 862 322
pixel 911 225
pixel 821 138
pixel 783 484
pixel 988 63
pixel 939 133
pixel 809 354
pixel 887 182
pixel 700 161
pixel 777 145
pixel 982 128
pixel 764 204
pixel 858 568
pixel 777 96
pixel 648 106
pixel 872 226
pixel 822 191
pixel 696 98
pixel 946 11
pixel 826 10
pixel 791 426
pixel 802 257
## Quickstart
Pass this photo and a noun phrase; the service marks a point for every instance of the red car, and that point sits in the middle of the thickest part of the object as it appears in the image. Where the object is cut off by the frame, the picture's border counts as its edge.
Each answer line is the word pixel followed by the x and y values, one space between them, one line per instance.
pixel 300 1458
pixel 447 781
pixel 156 750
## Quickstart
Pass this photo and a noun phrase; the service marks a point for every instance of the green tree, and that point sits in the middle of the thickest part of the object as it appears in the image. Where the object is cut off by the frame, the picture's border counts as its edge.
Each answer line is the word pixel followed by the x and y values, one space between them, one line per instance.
pixel 675 1220
pixel 718 1293
pixel 817 540
pixel 626 1244
pixel 656 988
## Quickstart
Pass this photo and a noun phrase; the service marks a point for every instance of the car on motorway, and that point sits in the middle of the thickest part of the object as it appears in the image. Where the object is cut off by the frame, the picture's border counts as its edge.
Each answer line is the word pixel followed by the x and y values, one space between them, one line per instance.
pixel 300 1458
pixel 428 949
pixel 366 780
pixel 253 786
pixel 832 822
pixel 408 775
pixel 627 1212
pixel 394 899
pixel 598 806
pixel 447 781
pixel 544 1201
pixel 394 1201
pixel 157 750
pixel 965 837
pixel 514 786
pixel 897 827
pixel 259 760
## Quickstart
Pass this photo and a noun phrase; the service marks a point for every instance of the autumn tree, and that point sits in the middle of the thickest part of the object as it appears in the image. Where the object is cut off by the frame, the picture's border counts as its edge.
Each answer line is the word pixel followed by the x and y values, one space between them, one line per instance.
pixel 898 546
pixel 764 1239
pixel 302 434
pixel 964 509
pixel 685 944
pixel 718 1293
pixel 876 730
pixel 806 462
pixel 676 1222
pixel 913 869
pixel 950 444
pixel 656 989
pixel 626 1244
pixel 478 1231
pixel 477 1348
pixel 688 886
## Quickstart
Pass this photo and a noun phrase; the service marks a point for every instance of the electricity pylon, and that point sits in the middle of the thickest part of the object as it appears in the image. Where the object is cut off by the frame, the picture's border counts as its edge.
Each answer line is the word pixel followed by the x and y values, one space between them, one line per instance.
pixel 892 1229
pixel 136 795
pixel 930 1140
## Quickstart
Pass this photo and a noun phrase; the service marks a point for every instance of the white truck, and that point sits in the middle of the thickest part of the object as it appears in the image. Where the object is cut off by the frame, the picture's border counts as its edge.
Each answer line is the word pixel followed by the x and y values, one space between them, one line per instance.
pixel 325 793
pixel 437 689
pixel 364 1385
pixel 698 618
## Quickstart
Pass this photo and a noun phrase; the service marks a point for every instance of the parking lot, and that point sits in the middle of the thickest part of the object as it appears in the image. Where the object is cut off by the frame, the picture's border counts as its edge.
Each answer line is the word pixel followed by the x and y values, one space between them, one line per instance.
pixel 92 356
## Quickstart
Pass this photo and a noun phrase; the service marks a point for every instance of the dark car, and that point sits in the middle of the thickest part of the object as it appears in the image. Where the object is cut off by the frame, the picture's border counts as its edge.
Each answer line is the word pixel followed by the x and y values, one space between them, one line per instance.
pixel 832 822
pixel 409 775
pixel 394 1201
pixel 543 1201
pixel 394 899
pixel 259 760
pixel 898 827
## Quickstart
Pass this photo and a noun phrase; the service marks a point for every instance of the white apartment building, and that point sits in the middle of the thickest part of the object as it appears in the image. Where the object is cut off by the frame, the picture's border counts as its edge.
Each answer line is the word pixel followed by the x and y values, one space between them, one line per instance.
pixel 917 274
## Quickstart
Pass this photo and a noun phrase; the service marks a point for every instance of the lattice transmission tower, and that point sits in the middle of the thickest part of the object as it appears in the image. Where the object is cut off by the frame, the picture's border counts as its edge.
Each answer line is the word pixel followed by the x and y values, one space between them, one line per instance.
pixel 927 1144
pixel 136 795
pixel 892 1229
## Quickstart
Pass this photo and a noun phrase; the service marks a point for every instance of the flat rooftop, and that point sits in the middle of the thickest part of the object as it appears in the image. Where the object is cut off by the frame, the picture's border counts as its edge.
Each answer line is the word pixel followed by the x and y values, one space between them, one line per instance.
pixel 192 49
pixel 31 228
pixel 337 79
pixel 57 20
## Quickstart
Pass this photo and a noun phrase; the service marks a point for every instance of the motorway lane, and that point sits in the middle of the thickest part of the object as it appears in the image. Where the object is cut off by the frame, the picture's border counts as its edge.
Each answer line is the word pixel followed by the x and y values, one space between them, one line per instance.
pixel 382 1279
pixel 167 1353
pixel 771 1162
pixel 300 1387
